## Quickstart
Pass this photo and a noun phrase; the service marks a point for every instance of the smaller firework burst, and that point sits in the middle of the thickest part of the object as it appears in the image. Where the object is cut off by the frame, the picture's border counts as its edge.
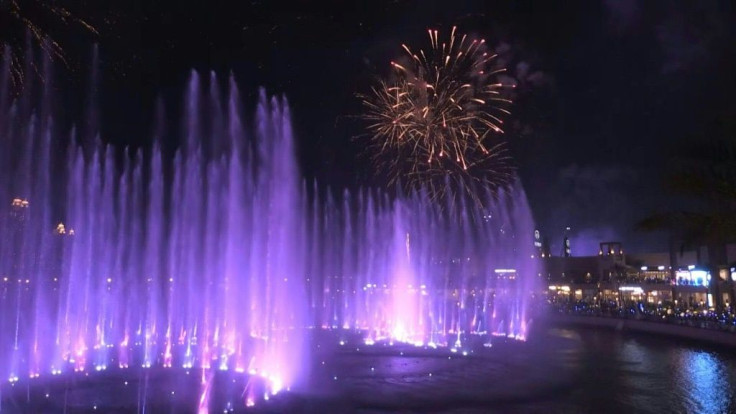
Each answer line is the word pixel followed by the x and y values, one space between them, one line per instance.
pixel 32 20
pixel 437 126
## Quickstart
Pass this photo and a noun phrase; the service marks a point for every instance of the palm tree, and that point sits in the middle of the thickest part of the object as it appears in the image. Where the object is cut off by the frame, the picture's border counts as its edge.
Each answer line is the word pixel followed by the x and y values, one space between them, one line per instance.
pixel 704 172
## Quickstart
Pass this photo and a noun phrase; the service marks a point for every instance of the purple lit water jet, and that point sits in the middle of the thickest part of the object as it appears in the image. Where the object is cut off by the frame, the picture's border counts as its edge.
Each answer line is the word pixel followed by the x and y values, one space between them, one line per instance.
pixel 220 258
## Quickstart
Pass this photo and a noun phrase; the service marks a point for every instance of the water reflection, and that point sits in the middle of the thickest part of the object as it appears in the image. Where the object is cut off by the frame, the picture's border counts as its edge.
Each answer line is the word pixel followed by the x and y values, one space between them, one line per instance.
pixel 705 381
pixel 615 372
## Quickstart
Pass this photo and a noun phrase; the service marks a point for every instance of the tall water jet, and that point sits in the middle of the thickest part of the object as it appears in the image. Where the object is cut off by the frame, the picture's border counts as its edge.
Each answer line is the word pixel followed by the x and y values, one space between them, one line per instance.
pixel 414 272
pixel 205 272
pixel 213 256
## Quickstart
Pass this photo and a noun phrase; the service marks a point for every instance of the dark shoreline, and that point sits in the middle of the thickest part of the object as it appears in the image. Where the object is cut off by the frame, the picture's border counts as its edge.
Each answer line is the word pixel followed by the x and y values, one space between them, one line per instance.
pixel 690 333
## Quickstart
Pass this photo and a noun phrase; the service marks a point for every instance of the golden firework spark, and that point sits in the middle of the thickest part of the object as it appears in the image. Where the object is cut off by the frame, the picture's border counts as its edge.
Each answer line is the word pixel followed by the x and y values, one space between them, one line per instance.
pixel 22 20
pixel 437 127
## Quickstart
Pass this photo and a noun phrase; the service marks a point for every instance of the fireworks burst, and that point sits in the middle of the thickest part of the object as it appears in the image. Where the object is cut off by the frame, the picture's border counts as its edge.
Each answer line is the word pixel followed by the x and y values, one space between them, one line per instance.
pixel 32 20
pixel 437 127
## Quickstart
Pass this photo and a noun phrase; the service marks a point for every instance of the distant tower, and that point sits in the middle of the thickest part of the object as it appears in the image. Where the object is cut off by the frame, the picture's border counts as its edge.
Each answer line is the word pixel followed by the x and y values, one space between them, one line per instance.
pixel 538 243
pixel 566 251
pixel 541 245
pixel 546 251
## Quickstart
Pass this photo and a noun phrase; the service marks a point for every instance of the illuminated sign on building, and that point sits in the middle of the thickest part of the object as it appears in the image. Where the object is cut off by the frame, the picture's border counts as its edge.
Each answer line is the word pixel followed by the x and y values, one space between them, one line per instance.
pixel 505 273
pixel 633 289
pixel 692 277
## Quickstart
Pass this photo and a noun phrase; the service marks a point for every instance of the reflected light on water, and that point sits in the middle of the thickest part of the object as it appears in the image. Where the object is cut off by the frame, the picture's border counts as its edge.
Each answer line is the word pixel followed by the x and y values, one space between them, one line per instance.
pixel 706 382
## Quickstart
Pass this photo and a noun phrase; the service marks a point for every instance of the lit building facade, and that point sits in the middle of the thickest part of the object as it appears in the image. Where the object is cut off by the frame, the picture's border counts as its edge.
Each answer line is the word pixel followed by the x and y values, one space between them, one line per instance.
pixel 652 278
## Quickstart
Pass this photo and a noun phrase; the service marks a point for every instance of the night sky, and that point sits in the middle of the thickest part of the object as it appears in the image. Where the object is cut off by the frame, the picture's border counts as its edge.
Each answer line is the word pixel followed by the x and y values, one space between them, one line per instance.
pixel 607 89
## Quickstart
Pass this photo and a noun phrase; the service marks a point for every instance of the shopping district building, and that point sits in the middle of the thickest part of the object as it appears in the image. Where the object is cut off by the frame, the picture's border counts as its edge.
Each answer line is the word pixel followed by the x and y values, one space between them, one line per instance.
pixel 677 278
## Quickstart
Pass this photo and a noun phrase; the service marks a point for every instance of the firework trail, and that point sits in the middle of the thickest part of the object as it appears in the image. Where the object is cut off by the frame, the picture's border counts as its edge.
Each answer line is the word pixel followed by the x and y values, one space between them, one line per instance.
pixel 22 20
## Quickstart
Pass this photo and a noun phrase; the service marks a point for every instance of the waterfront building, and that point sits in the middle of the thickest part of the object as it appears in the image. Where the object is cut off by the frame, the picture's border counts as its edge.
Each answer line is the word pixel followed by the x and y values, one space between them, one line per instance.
pixel 679 279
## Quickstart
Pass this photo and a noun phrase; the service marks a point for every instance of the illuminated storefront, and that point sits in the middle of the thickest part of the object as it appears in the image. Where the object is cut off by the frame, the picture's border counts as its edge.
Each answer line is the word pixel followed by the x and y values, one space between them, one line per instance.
pixel 692 277
pixel 631 293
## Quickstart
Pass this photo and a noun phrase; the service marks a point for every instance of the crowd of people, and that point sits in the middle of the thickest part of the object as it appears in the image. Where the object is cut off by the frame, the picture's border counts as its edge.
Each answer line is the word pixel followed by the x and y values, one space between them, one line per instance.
pixel 698 316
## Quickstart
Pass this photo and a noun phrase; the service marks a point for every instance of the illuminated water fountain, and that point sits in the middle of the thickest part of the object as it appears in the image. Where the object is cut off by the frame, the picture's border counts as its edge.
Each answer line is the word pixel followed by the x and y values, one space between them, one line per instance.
pixel 412 271
pixel 218 258
pixel 192 272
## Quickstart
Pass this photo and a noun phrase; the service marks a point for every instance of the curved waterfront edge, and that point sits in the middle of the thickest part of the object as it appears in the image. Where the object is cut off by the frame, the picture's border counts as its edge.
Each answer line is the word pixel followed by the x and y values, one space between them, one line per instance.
pixel 714 337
